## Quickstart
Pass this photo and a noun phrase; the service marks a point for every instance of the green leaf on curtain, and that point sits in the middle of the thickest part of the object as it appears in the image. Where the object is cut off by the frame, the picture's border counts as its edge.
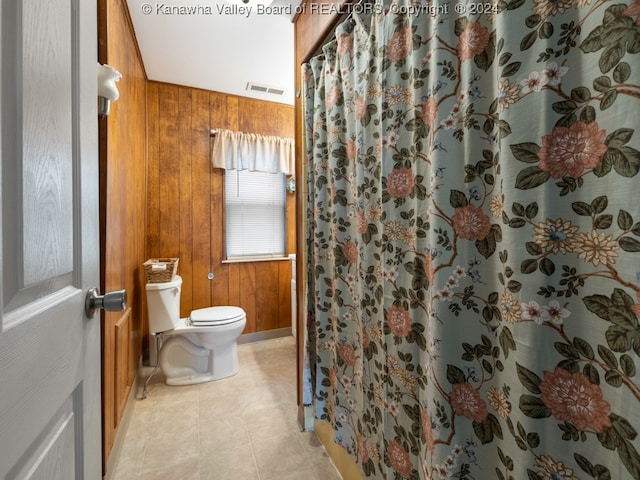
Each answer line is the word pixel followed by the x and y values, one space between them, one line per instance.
pixel 547 266
pixel 506 341
pixel 619 137
pixel 532 21
pixel 630 458
pixel 531 177
pixel 625 220
pixel 517 209
pixel 531 210
pixel 599 204
pixel 546 30
pixel 533 475
pixel 607 355
pixel 582 208
pixel 588 114
pixel 581 94
pixel 585 465
pixel 598 304
pixel 533 407
pixel 486 58
pixel 504 58
pixel 627 365
pixel 528 41
pixel 602 222
pixel 593 42
pixel 591 373
pixel 566 350
pixel 460 24
pixel 620 338
pixel 533 248
pixel 526 152
pixel 455 375
pixel 622 72
pixel 608 99
pixel 487 246
pixel 528 379
pixel 511 69
pixel 529 265
pixel 486 430
pixel 584 348
pixel 458 199
pixel 602 83
pixel 629 244
pixel 627 163
pixel 565 106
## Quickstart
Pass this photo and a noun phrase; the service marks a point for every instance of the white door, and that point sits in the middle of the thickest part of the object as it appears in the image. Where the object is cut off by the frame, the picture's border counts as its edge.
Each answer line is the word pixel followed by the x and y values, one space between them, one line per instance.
pixel 49 255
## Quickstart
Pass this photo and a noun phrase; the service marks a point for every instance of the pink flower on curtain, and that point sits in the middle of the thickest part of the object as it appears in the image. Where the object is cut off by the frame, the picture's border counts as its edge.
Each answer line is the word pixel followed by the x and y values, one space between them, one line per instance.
pixel 333 378
pixel 399 321
pixel 399 459
pixel 350 250
pixel 347 354
pixel 573 398
pixel 425 419
pixel 400 182
pixel 363 223
pixel 351 150
pixel 333 96
pixel 366 339
pixel 466 401
pixel 473 40
pixel 429 268
pixel 345 43
pixel 429 110
pixel 471 223
pixel 360 107
pixel 632 10
pixel 363 453
pixel 569 151
pixel 400 44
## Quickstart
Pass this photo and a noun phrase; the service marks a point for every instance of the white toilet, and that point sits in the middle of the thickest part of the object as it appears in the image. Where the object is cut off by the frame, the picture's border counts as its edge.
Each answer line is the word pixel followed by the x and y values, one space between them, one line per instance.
pixel 197 349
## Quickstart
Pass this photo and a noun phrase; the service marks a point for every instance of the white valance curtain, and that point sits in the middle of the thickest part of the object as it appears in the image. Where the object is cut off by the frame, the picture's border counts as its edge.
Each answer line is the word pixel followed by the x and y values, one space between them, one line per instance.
pixel 253 152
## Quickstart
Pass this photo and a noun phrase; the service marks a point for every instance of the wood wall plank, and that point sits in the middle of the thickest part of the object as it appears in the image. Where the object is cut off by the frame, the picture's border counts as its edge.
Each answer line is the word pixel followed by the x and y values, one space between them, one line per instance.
pixel 185 166
pixel 201 202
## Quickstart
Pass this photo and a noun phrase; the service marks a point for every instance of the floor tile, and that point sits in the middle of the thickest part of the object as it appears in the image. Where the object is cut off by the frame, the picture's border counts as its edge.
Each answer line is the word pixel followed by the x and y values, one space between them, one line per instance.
pixel 239 428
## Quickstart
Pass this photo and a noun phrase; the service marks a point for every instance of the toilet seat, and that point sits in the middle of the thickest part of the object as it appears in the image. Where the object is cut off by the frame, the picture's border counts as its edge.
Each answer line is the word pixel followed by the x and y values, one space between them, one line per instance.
pixel 212 316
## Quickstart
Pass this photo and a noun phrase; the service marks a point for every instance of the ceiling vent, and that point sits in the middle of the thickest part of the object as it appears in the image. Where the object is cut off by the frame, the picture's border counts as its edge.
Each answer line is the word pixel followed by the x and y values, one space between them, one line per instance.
pixel 254 87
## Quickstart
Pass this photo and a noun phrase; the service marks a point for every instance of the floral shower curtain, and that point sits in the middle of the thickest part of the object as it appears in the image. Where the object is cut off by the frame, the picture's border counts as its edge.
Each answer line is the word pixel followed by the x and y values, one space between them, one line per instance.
pixel 473 237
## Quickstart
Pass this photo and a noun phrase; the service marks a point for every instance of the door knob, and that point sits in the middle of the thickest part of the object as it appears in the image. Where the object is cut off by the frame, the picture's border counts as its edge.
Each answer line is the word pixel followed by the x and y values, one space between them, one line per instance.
pixel 115 301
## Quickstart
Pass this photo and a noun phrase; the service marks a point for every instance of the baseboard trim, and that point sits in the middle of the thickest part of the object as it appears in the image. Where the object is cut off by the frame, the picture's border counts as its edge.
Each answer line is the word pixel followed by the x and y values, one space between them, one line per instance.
pixel 264 335
pixel 118 442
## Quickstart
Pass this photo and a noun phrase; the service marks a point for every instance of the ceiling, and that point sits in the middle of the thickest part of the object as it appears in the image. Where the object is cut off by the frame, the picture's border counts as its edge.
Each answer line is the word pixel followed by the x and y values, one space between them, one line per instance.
pixel 219 46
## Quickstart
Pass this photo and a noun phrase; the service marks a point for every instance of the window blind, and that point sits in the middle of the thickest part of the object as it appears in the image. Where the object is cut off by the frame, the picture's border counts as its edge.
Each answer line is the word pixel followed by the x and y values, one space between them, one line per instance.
pixel 255 214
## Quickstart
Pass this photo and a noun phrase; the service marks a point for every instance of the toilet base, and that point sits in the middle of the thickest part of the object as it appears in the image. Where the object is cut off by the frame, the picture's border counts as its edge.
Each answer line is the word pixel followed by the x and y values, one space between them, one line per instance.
pixel 185 363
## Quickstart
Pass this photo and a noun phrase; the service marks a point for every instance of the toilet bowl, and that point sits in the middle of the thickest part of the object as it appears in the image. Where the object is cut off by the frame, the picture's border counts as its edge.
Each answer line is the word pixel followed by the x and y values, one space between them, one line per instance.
pixel 200 348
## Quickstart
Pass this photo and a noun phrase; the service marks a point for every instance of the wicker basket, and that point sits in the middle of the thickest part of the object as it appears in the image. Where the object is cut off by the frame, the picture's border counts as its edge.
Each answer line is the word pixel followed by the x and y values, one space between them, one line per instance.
pixel 160 270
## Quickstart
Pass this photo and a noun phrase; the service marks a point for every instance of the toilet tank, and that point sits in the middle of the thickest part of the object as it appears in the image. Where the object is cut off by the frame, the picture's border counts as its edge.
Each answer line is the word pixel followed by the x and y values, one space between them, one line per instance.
pixel 163 305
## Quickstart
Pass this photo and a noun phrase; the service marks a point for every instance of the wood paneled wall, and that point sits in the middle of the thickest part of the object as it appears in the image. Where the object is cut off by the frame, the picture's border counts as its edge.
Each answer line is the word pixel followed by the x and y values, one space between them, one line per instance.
pixel 122 211
pixel 185 202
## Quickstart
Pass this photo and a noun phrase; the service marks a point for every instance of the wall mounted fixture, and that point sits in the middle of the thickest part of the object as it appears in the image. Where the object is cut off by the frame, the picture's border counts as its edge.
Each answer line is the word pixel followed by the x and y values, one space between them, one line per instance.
pixel 107 90
pixel 291 184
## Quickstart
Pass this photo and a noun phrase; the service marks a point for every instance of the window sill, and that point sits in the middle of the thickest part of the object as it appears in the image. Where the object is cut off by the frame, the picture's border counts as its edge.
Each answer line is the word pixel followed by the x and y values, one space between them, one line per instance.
pixel 256 259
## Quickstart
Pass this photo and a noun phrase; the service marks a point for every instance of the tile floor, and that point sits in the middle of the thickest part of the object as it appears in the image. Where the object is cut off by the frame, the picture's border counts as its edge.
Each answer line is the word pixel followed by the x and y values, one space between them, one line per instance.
pixel 239 428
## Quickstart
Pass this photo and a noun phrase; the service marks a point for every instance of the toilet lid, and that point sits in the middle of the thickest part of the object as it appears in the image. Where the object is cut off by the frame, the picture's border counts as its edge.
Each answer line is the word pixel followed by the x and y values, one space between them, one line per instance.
pixel 216 315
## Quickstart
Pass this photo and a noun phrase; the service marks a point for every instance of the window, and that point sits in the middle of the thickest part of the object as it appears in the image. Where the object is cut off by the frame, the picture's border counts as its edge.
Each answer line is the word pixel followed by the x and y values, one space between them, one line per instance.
pixel 255 214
